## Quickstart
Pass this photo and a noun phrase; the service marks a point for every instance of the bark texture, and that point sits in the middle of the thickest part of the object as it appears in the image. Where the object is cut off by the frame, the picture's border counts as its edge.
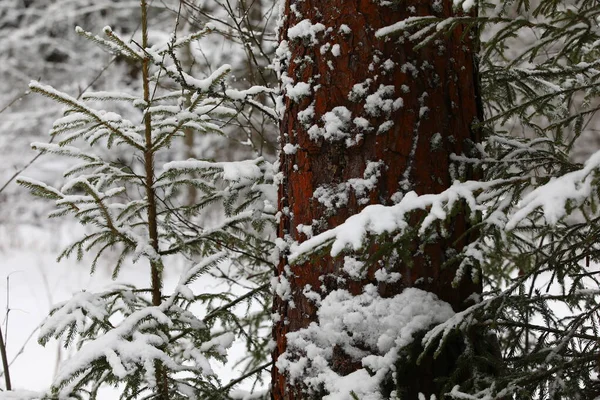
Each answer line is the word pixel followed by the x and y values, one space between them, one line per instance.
pixel 412 138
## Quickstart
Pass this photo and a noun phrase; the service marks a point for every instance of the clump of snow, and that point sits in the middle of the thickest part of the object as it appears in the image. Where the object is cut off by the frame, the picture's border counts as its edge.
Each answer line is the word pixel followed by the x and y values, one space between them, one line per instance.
pixel 382 275
pixel 398 103
pixel 332 197
pixel 335 50
pixel 378 219
pixel 369 329
pixel 232 170
pixel 402 25
pixel 361 123
pixel 336 121
pixel 336 196
pixel 409 67
pixel 244 94
pixel 384 127
pixel 379 103
pixel 345 29
pixel 202 85
pixel 436 141
pixel 236 170
pixel 281 287
pixel 305 30
pixel 359 90
pixel 354 268
pixel 307 230
pixel 280 63
pixel 75 311
pixel 389 65
pixel 363 186
pixel 306 116
pixel 555 196
pixel 467 5
pixel 298 90
pixel 336 124
pixel 290 148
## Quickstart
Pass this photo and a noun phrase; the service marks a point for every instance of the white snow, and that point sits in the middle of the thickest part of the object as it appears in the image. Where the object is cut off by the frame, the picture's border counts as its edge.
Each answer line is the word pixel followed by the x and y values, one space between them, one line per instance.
pixel 202 85
pixel 359 90
pixel 306 116
pixel 361 123
pixel 354 268
pixel 111 121
pixel 305 29
pixel 553 197
pixel 298 90
pixel 384 127
pixel 336 50
pixel 401 25
pixel 378 219
pixel 336 196
pixel 345 29
pixel 232 170
pixel 336 124
pixel 466 4
pixel 290 148
pixel 389 65
pixel 243 94
pixel 369 329
pixel 380 102
pixel 336 121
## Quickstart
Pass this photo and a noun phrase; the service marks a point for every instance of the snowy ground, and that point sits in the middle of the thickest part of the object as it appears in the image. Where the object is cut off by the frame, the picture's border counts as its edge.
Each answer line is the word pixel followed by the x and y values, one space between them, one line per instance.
pixel 31 281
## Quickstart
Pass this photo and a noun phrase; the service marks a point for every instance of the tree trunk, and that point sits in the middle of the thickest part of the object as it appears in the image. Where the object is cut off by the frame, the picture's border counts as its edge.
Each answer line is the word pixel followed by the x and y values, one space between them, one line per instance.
pixel 401 112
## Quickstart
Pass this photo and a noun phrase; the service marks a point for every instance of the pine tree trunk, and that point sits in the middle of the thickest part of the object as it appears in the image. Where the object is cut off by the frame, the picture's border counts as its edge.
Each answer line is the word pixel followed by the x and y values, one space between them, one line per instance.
pixel 412 137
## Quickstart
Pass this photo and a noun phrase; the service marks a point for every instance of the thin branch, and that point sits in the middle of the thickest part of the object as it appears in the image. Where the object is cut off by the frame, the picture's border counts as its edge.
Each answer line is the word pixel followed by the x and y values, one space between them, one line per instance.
pixel 35 158
pixel 245 376
pixel 5 362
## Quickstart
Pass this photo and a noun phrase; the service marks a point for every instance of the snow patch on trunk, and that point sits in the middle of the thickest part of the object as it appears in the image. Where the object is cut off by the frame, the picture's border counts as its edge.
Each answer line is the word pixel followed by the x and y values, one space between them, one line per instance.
pixel 367 328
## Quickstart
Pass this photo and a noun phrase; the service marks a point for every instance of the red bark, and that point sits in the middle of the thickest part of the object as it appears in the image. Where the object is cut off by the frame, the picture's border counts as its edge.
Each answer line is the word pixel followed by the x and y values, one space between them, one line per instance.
pixel 438 85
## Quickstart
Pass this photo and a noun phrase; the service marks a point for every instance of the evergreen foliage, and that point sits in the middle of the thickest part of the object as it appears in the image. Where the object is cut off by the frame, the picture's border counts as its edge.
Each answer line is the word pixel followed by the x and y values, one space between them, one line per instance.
pixel 533 333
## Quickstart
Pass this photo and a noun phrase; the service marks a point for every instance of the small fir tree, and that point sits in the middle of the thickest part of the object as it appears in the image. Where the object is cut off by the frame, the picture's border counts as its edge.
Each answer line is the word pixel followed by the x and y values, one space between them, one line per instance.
pixel 149 343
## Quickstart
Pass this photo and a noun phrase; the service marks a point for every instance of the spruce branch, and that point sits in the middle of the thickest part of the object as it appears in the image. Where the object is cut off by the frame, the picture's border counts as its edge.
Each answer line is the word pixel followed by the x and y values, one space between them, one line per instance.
pixel 76 105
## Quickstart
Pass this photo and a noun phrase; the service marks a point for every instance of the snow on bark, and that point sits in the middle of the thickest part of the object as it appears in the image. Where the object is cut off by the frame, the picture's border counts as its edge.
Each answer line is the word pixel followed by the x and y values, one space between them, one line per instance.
pixel 367 101
pixel 367 327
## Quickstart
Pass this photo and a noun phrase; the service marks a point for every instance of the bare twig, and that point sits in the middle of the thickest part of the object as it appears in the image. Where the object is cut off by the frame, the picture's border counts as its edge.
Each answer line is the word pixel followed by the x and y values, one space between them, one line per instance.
pixel 5 362
pixel 14 101
pixel 22 349
pixel 35 158
pixel 7 309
